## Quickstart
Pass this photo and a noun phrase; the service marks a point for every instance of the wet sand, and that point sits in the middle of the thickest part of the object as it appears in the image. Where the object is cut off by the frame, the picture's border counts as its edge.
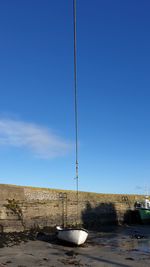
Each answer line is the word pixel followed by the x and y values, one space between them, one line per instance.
pixel 120 246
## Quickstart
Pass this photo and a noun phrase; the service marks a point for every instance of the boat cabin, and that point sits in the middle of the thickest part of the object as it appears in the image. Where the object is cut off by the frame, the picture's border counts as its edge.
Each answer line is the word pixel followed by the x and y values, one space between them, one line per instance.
pixel 145 204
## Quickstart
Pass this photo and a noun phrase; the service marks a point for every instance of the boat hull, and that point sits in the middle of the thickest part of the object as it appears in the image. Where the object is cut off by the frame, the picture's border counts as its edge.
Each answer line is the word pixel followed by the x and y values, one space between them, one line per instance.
pixel 144 215
pixel 71 235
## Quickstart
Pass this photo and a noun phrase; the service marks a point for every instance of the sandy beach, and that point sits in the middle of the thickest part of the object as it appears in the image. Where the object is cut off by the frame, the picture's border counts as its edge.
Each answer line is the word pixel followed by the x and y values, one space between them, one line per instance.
pixel 120 246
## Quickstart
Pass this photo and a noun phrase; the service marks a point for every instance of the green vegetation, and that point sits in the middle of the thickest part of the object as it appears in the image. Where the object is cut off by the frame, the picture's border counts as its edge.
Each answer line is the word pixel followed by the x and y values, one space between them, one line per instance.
pixel 14 206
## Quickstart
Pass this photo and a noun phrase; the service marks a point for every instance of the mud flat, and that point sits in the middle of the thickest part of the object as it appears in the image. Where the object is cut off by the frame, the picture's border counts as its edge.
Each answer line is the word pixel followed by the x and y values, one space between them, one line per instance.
pixel 119 246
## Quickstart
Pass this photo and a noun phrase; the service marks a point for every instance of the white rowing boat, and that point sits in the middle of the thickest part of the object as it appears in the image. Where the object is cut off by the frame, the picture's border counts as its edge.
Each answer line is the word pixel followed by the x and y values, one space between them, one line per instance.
pixel 76 236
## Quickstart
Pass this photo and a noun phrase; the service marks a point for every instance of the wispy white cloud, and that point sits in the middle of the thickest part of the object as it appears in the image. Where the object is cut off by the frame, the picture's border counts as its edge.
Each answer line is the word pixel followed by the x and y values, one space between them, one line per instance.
pixel 39 140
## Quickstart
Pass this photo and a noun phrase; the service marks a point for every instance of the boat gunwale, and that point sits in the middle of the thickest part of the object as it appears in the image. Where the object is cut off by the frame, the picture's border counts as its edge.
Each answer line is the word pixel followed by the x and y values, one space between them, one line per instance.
pixel 73 229
pixel 140 208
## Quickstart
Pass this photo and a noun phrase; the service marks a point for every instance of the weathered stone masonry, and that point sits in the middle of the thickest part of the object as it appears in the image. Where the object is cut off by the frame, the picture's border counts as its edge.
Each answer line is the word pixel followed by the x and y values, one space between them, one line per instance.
pixel 23 208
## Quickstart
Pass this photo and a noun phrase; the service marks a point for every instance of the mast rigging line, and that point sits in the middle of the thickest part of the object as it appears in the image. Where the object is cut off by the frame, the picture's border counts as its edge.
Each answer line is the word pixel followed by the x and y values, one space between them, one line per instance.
pixel 75 95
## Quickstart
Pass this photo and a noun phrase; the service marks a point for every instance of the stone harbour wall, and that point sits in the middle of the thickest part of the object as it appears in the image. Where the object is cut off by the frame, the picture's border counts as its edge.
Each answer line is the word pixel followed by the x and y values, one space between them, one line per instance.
pixel 24 208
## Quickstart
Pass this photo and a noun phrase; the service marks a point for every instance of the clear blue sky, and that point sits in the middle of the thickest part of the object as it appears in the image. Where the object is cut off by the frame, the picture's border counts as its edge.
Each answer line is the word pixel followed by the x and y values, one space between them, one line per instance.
pixel 36 94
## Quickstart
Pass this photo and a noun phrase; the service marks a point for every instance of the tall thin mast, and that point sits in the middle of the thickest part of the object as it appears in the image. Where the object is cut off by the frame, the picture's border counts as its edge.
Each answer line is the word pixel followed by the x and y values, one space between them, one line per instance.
pixel 75 97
